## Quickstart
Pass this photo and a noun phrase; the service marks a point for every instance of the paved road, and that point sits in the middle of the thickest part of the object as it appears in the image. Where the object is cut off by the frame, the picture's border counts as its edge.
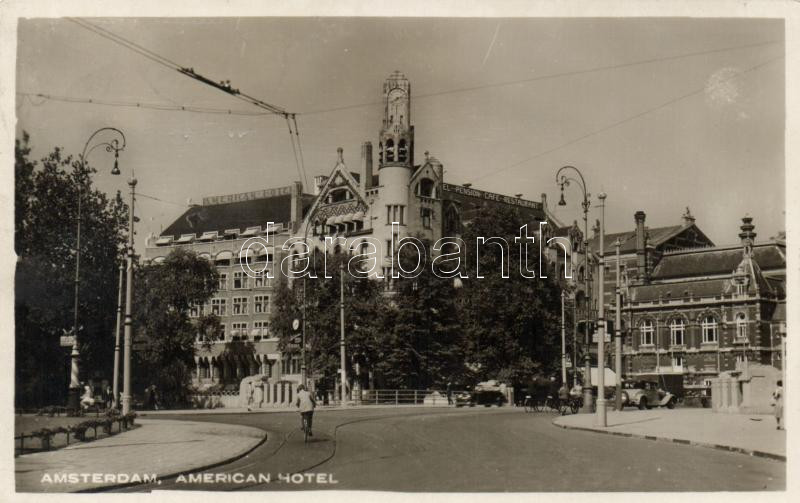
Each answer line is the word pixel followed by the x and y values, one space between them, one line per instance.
pixel 474 450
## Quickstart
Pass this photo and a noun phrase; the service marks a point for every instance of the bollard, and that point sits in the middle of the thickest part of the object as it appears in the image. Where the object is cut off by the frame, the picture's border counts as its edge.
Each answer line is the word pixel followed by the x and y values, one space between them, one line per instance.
pixel 415 397
pixel 396 397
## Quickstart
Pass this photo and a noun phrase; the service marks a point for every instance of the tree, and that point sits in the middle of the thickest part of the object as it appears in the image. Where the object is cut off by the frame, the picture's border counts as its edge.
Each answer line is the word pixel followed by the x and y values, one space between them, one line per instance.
pixel 364 307
pixel 512 324
pixel 424 345
pixel 164 294
pixel 46 196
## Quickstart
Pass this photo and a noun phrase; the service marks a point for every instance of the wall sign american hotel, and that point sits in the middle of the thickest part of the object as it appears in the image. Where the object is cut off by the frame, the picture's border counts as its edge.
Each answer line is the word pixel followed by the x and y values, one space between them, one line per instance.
pixel 247 196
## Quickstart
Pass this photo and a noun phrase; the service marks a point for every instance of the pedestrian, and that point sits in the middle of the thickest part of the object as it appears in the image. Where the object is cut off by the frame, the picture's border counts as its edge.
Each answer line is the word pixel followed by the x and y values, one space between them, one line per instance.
pixel 154 397
pixel 109 397
pixel 777 396
pixel 449 394
pixel 87 399
pixel 250 391
pixel 148 397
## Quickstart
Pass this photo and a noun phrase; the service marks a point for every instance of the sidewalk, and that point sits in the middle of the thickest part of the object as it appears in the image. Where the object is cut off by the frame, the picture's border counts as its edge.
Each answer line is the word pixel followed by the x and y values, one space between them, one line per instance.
pixel 749 434
pixel 158 447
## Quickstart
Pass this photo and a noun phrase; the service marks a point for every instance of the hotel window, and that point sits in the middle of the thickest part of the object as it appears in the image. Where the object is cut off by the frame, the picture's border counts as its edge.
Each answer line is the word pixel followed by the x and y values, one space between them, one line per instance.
pixel 388 214
pixel 195 310
pixel 647 332
pixel 239 280
pixel 402 215
pixel 218 307
pixel 741 326
pixel 240 305
pixel 263 325
pixel 426 217
pixel 241 327
pixel 677 331
pixel 221 333
pixel 709 329
pixel 261 304
pixel 261 281
pixel 677 362
pixel 223 282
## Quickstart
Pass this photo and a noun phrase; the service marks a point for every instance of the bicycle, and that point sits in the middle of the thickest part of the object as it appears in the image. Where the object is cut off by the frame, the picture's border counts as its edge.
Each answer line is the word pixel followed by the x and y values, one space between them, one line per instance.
pixel 306 429
pixel 528 403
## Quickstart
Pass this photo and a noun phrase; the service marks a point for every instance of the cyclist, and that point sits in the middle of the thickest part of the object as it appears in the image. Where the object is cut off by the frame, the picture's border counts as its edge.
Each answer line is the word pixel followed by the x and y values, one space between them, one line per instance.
pixel 305 405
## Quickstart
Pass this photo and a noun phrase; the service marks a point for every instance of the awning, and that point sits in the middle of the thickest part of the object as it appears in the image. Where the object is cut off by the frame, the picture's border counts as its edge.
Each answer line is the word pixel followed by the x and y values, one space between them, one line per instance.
pixel 208 236
pixel 235 333
pixel 339 219
pixel 273 356
pixel 358 215
pixel 163 240
pixel 249 252
pixel 185 238
pixel 330 221
pixel 251 231
pixel 205 256
pixel 231 232
pixel 224 255
pixel 158 260
pixel 256 332
pixel 347 218
pixel 275 227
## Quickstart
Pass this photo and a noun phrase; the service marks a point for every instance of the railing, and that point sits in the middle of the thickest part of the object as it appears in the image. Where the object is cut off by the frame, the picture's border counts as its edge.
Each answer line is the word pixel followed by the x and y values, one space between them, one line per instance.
pixel 403 397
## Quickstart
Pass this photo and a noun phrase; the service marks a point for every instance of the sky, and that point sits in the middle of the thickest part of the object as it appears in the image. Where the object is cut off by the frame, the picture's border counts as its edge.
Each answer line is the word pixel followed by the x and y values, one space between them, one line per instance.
pixel 659 113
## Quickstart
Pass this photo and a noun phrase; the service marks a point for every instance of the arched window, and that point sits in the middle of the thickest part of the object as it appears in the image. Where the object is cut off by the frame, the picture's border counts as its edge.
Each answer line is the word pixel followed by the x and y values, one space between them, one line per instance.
pixel 647 330
pixel 677 331
pixel 402 151
pixel 741 326
pixel 709 328
pixel 452 222
pixel 389 150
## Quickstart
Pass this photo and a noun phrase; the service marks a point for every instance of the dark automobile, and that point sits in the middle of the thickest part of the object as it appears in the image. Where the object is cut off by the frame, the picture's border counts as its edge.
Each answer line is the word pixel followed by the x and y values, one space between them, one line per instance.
pixel 488 397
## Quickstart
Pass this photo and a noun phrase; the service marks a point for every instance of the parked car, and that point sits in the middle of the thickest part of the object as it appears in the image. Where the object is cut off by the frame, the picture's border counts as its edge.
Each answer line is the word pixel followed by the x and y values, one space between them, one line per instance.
pixel 645 394
pixel 464 399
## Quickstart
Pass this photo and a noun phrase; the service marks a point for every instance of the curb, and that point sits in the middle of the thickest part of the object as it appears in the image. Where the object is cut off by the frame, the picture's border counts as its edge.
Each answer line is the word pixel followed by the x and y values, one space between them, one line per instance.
pixel 180 472
pixel 740 450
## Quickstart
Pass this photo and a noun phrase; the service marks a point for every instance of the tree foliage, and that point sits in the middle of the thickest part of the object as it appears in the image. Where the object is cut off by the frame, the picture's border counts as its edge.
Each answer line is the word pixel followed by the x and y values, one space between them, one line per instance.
pixel 46 210
pixel 512 325
pixel 164 331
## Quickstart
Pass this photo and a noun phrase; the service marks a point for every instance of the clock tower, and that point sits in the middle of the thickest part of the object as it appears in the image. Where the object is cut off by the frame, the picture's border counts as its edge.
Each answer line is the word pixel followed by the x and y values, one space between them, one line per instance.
pixel 396 143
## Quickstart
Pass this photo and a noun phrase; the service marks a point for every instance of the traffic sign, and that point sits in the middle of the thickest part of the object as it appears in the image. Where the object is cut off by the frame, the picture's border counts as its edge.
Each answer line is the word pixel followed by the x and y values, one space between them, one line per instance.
pixel 296 325
pixel 67 340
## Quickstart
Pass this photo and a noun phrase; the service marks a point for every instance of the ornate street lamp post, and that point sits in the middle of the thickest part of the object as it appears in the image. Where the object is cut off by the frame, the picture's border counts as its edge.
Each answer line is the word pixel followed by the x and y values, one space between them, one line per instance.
pixel 563 180
pixel 126 377
pixel 600 418
pixel 73 398
pixel 618 332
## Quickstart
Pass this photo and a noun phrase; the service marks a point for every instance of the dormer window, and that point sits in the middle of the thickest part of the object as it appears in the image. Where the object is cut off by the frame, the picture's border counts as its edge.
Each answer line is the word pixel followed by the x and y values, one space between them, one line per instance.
pixel 339 195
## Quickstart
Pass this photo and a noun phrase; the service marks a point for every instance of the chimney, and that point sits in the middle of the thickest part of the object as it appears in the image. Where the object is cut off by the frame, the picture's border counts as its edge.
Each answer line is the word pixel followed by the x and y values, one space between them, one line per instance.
pixel 297 205
pixel 688 218
pixel 319 182
pixel 366 165
pixel 641 246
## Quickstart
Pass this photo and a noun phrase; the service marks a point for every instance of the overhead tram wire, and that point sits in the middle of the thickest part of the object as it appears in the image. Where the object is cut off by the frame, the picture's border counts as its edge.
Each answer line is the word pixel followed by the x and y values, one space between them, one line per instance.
pixel 224 86
pixel 135 104
pixel 624 120
pixel 551 76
